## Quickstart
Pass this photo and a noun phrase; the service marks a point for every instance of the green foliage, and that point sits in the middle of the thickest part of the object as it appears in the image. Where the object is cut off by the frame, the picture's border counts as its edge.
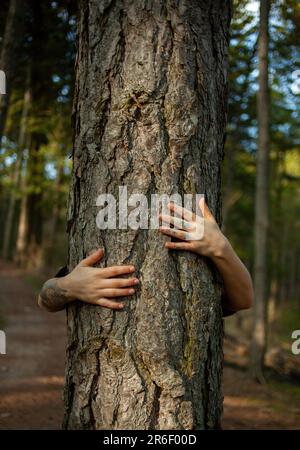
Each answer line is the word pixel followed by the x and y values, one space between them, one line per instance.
pixel 47 60
pixel 46 70
pixel 240 150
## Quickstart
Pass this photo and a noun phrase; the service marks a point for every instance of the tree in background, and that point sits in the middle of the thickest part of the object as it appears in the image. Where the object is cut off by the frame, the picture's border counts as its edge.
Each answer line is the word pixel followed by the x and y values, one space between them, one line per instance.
pixel 13 35
pixel 261 197
pixel 282 291
pixel 17 172
pixel 45 74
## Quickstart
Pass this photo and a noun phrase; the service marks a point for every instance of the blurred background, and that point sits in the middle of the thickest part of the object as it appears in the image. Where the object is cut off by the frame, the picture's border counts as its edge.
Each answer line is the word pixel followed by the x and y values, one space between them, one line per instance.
pixel 35 167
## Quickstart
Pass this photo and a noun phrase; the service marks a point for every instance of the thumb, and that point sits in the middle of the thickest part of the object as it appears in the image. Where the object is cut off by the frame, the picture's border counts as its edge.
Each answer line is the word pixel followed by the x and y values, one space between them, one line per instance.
pixel 93 258
pixel 205 210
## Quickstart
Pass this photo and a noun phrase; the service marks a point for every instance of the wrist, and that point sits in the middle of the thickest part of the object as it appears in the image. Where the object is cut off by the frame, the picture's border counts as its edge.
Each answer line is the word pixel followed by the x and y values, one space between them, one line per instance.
pixel 221 249
pixel 65 284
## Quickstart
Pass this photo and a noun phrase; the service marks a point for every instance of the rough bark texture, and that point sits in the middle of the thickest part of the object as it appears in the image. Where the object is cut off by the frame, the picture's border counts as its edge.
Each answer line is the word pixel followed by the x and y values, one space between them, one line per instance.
pixel 261 198
pixel 149 113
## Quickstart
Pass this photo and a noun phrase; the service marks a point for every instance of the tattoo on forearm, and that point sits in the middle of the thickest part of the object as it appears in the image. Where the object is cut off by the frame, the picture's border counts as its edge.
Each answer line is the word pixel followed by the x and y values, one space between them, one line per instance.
pixel 53 297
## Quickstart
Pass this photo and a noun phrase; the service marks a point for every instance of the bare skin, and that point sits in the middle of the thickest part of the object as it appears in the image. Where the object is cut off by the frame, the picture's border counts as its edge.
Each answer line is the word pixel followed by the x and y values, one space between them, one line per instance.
pixel 102 287
pixel 99 287
pixel 213 244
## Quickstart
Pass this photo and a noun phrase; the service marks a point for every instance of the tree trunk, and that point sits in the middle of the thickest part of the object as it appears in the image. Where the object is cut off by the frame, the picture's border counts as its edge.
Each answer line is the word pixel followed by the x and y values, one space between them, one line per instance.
pixel 149 114
pixel 49 245
pixel 20 253
pixel 56 206
pixel 8 60
pixel 17 172
pixel 29 234
pixel 22 231
pixel 229 196
pixel 261 199
pixel 35 175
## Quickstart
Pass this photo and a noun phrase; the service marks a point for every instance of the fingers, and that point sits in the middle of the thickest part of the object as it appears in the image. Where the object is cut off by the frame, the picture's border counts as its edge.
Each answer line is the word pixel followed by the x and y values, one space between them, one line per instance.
pixel 179 234
pixel 178 223
pixel 205 210
pixel 178 245
pixel 108 303
pixel 119 282
pixel 182 212
pixel 114 271
pixel 117 292
pixel 92 259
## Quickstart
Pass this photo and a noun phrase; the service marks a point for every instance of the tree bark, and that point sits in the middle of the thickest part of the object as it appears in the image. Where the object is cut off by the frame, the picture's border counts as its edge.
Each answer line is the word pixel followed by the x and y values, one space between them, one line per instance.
pixel 149 113
pixel 261 199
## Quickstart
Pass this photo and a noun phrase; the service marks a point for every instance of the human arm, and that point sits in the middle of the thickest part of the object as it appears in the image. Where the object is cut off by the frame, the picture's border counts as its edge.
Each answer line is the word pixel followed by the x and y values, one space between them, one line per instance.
pixel 212 243
pixel 97 286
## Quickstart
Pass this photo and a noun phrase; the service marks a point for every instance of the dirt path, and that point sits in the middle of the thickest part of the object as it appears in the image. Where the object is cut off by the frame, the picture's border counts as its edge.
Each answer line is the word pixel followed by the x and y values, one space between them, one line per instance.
pixel 31 374
pixel 250 406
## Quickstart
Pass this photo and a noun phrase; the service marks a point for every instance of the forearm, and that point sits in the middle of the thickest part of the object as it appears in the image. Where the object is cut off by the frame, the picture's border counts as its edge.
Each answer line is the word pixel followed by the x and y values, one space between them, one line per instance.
pixel 54 296
pixel 237 280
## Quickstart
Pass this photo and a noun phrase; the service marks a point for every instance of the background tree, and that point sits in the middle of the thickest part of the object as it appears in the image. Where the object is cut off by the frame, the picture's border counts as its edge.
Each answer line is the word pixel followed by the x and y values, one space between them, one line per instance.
pixel 283 160
pixel 16 176
pixel 30 155
pixel 13 35
pixel 262 196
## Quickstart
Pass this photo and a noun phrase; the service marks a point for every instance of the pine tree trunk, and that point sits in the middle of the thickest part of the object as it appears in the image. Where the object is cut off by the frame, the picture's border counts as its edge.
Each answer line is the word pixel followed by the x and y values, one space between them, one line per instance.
pixel 34 228
pixel 17 172
pixel 261 199
pixel 149 113
pixel 49 245
pixel 228 195
pixel 20 253
pixel 8 59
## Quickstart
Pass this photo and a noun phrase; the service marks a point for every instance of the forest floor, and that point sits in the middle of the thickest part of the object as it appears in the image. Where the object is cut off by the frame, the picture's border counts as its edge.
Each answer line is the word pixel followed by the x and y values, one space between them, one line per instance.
pixel 31 373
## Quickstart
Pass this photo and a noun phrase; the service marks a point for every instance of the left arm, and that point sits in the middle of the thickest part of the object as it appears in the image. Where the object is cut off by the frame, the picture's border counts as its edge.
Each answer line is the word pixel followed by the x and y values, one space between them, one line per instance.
pixel 204 237
pixel 237 280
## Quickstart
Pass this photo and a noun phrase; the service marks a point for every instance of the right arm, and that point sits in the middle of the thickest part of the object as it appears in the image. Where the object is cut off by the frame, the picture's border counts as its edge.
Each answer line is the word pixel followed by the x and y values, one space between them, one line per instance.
pixel 88 284
pixel 53 297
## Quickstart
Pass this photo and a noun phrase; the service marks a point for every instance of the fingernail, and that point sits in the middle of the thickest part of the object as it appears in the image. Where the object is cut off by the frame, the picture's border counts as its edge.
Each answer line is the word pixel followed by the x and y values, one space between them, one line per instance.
pixel 121 306
pixel 136 281
pixel 131 291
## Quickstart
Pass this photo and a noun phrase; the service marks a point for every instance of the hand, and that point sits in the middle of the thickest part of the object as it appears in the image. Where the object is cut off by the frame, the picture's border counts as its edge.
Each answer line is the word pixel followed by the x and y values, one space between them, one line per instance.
pixel 201 235
pixel 98 286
